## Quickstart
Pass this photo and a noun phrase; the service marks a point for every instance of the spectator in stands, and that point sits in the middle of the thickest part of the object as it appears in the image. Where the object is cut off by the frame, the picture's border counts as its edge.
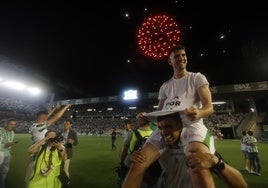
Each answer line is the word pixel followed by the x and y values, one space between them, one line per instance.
pixel 244 149
pixel 165 146
pixel 39 129
pixel 253 154
pixel 7 142
pixel 189 92
pixel 50 156
pixel 69 140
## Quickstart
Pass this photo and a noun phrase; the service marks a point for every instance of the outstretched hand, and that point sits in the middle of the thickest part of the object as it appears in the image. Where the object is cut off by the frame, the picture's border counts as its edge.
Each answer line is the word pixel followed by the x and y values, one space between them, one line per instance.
pixel 68 105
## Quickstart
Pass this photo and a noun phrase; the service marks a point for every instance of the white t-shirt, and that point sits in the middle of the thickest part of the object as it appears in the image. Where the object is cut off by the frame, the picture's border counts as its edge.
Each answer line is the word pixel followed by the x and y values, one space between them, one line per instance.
pixel 182 93
pixel 243 142
pixel 38 131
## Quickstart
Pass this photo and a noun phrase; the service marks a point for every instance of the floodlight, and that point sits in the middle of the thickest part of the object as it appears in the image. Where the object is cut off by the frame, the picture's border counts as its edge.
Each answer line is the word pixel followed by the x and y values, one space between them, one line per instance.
pixel 130 94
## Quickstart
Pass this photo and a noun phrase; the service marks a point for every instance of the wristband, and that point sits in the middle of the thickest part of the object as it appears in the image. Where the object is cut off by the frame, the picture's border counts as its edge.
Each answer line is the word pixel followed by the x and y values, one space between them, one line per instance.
pixel 220 164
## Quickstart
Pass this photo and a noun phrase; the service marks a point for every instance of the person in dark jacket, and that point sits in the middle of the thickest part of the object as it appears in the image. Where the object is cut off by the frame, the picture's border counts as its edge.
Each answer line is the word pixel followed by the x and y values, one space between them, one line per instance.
pixel 69 140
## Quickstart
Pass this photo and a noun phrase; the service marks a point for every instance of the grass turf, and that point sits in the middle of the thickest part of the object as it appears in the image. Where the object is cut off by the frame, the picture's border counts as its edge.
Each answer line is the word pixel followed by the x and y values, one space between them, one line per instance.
pixel 94 162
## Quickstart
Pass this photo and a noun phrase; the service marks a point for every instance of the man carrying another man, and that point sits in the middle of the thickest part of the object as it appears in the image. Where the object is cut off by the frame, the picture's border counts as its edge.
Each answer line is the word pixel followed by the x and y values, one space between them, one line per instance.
pixel 165 146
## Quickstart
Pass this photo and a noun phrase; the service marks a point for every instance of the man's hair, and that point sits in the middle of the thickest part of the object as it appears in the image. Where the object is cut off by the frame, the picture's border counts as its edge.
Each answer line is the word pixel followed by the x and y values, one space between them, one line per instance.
pixel 51 130
pixel 69 120
pixel 10 119
pixel 250 133
pixel 175 116
pixel 244 133
pixel 175 48
pixel 127 121
pixel 42 112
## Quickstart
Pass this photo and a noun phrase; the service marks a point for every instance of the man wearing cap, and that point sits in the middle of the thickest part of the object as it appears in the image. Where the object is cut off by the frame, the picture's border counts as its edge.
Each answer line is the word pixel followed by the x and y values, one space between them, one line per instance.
pixel 165 146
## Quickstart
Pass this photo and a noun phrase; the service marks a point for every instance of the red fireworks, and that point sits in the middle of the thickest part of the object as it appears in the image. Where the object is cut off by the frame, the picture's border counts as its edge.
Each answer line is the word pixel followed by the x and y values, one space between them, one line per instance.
pixel 156 35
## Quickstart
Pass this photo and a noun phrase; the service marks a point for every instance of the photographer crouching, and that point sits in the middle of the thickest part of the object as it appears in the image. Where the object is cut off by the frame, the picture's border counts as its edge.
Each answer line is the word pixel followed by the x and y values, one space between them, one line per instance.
pixel 50 155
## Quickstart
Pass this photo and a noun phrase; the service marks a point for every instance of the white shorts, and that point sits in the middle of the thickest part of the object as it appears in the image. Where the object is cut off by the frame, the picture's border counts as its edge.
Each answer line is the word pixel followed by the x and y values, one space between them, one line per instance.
pixel 199 133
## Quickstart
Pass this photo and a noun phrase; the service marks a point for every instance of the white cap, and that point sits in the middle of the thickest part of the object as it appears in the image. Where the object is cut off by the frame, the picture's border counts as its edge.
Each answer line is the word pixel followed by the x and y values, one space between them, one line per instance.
pixel 164 113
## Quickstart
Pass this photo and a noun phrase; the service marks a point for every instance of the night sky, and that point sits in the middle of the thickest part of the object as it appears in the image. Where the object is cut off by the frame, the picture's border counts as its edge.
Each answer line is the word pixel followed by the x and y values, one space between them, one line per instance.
pixel 88 45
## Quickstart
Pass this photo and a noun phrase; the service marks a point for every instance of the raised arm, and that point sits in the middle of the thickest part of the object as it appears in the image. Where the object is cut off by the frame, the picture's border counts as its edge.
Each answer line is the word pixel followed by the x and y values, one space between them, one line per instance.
pixel 52 111
pixel 36 146
pixel 58 115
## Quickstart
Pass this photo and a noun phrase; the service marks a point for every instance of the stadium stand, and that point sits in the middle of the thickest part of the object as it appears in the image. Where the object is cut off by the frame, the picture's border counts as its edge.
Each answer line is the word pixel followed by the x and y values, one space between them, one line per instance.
pixel 237 108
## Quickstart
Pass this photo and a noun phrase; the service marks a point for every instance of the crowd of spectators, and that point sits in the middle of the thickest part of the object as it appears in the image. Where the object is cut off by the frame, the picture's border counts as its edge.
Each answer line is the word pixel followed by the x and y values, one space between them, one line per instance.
pixel 103 126
pixel 10 104
pixel 97 121
pixel 224 120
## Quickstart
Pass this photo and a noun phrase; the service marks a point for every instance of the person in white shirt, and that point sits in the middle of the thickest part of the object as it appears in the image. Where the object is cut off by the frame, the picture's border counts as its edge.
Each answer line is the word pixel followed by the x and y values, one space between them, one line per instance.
pixel 244 149
pixel 189 92
pixel 253 154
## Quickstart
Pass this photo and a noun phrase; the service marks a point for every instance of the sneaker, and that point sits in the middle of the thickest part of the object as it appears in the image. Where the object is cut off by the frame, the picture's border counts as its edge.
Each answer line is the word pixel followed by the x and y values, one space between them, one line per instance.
pixel 247 169
pixel 256 173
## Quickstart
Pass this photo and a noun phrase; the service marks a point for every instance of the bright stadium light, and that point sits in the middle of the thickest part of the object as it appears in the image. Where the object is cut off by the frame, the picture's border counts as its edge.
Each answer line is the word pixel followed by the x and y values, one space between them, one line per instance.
pixel 19 86
pixel 130 94
pixel 14 85
pixel 34 90
pixel 219 102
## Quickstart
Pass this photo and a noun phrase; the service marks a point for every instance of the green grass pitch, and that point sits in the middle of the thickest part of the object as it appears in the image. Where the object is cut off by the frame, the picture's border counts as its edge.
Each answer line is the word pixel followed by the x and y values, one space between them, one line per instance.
pixel 94 162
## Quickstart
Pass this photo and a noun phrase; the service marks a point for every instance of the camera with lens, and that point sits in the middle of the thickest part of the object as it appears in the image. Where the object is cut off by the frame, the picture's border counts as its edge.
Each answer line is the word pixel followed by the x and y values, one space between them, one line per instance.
pixel 45 170
pixel 56 139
